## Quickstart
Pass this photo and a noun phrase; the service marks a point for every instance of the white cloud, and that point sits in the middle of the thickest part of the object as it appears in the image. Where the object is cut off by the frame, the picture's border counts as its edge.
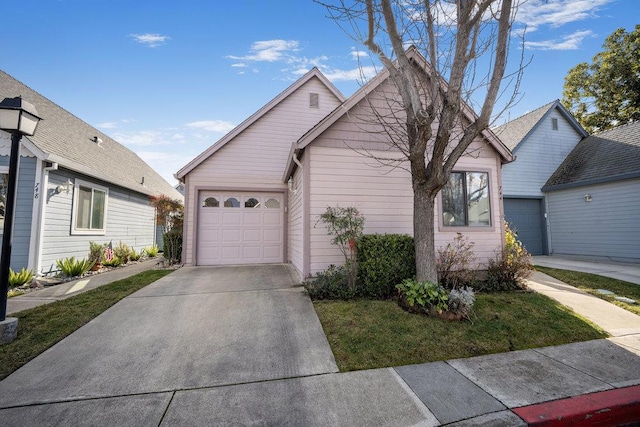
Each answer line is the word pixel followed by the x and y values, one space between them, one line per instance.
pixel 358 54
pixel 166 164
pixel 239 65
pixel 269 51
pixel 108 125
pixel 537 13
pixel 212 125
pixel 569 42
pixel 144 138
pixel 359 74
pixel 150 40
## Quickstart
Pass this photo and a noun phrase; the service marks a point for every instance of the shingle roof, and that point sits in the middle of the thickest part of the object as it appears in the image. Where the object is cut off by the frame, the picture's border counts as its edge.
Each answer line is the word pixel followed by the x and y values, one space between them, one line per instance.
pixel 514 132
pixel 608 156
pixel 517 130
pixel 69 141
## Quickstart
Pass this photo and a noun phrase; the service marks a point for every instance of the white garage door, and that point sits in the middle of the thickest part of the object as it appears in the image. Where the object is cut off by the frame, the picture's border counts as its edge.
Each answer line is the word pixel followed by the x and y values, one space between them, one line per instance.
pixel 240 228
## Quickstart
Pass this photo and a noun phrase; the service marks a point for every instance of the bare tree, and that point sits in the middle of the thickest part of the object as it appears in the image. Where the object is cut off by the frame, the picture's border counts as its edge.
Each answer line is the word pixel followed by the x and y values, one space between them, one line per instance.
pixel 429 120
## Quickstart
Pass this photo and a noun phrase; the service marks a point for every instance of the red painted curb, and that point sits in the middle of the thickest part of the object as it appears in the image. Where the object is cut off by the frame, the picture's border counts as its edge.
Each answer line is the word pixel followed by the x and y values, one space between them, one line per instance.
pixel 605 408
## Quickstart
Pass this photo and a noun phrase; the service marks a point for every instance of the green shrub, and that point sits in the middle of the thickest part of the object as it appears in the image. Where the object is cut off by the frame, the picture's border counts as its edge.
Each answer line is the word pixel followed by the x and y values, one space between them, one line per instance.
pixel 152 251
pixel 383 261
pixel 113 261
pixel 122 252
pixel 96 252
pixel 135 256
pixel 71 267
pixel 511 266
pixel 422 297
pixel 330 284
pixel 20 278
pixel 455 263
pixel 173 245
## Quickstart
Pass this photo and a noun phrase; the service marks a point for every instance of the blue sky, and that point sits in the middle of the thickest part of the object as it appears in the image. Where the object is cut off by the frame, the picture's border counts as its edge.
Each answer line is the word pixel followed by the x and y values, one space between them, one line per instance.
pixel 168 79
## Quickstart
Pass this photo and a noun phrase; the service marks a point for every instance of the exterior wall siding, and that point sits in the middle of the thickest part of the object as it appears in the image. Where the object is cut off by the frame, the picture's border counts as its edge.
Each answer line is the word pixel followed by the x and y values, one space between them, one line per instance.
pixel 23 211
pixel 538 157
pixel 384 196
pixel 296 222
pixel 130 219
pixel 606 227
pixel 256 158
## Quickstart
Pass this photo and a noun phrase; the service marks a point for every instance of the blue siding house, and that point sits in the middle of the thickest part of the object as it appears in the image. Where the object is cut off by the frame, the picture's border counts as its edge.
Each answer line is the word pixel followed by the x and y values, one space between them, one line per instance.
pixel 75 185
pixel 540 140
pixel 594 197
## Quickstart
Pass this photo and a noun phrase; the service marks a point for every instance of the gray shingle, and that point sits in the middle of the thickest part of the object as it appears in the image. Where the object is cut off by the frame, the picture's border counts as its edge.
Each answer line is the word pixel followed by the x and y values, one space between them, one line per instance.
pixel 63 135
pixel 514 132
pixel 609 155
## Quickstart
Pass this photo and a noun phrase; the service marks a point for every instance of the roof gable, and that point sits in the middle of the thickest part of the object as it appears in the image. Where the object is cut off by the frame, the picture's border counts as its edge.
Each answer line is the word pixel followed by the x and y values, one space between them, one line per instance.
pixel 516 131
pixel 313 73
pixel 65 139
pixel 365 91
pixel 608 156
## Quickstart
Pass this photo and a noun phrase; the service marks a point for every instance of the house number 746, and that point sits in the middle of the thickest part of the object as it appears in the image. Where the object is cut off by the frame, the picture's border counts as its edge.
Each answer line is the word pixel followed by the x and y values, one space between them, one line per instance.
pixel 36 190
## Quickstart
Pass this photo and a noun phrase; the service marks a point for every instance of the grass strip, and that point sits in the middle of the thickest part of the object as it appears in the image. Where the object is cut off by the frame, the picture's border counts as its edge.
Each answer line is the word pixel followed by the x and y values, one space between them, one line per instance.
pixel 367 334
pixel 592 282
pixel 41 327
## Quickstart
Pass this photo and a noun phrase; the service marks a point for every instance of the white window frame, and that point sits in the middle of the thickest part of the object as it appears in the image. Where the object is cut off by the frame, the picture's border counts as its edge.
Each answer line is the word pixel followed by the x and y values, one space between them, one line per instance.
pixel 74 209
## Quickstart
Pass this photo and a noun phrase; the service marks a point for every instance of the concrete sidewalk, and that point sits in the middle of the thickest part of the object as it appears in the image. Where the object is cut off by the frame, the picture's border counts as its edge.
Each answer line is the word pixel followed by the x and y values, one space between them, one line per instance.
pixel 74 287
pixel 184 352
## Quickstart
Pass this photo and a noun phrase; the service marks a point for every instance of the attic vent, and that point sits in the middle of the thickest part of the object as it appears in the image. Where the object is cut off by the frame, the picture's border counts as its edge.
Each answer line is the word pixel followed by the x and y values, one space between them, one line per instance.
pixel 314 100
pixel 554 124
pixel 97 140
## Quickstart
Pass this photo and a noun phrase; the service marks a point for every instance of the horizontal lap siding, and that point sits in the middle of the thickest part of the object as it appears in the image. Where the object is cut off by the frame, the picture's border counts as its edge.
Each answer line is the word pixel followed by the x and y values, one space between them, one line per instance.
pixel 257 157
pixel 608 226
pixel 384 196
pixel 23 211
pixel 295 246
pixel 130 219
pixel 539 156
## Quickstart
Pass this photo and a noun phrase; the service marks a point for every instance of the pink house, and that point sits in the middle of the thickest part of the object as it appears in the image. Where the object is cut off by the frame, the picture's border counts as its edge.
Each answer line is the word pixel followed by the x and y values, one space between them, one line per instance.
pixel 255 195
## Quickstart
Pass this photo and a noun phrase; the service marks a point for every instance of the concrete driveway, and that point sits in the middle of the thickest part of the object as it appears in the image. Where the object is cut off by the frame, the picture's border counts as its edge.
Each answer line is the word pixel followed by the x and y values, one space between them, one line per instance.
pixel 195 328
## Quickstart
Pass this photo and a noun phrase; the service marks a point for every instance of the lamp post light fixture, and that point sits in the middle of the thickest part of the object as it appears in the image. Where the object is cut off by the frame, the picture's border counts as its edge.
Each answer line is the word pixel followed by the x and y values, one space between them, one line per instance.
pixel 18 117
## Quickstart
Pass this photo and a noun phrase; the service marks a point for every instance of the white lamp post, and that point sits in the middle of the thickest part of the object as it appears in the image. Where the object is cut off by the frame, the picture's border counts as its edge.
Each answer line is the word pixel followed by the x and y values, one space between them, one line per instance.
pixel 19 118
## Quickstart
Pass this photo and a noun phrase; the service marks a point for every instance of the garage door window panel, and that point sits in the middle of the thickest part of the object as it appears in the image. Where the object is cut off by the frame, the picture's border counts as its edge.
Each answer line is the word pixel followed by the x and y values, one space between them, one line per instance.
pixel 252 202
pixel 232 202
pixel 272 204
pixel 211 202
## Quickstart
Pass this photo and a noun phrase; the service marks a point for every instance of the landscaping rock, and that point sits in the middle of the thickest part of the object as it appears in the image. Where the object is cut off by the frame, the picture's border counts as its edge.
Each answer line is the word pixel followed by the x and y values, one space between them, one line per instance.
pixel 625 300
pixel 48 281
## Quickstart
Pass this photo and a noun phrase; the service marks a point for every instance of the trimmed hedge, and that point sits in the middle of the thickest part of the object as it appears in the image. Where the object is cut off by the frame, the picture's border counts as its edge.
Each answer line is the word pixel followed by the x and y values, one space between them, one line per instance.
pixel 384 260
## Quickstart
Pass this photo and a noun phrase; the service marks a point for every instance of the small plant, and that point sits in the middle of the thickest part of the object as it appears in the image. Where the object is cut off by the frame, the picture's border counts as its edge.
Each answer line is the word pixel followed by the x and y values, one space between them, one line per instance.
pixel 135 256
pixel 172 243
pixel 422 296
pixel 20 278
pixel 455 262
pixel 96 252
pixel 122 252
pixel 71 267
pixel 461 301
pixel 346 226
pixel 329 284
pixel 110 259
pixel 511 266
pixel 152 251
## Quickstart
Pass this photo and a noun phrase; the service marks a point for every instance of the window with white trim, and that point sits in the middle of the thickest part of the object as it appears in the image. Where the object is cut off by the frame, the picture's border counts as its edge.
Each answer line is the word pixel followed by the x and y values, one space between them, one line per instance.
pixel 466 201
pixel 90 208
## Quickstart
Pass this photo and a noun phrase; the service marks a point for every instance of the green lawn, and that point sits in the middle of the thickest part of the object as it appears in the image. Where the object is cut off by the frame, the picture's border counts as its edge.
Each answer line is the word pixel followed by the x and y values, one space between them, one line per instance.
pixel 41 327
pixel 591 282
pixel 368 334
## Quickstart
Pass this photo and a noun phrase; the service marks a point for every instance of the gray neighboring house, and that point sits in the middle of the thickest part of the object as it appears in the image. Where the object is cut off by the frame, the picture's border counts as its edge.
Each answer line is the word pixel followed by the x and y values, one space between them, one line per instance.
pixel 75 185
pixel 540 140
pixel 594 197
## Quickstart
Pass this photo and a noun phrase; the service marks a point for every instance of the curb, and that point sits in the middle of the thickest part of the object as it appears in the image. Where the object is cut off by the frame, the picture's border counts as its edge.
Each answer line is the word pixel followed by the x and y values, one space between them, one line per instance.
pixel 611 407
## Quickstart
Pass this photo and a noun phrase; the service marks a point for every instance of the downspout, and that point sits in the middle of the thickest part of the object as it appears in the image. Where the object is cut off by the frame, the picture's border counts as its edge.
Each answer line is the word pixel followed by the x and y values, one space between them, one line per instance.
pixel 306 248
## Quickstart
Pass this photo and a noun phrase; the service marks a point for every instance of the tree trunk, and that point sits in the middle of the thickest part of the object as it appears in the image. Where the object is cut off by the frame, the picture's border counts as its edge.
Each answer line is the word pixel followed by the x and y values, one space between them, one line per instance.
pixel 424 234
